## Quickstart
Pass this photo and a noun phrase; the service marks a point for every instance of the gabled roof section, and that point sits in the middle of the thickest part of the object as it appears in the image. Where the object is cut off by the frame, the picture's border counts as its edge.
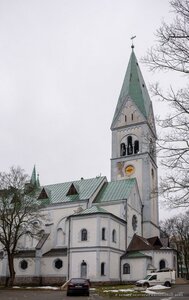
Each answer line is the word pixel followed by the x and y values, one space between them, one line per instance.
pixel 44 194
pixel 155 242
pixel 139 243
pixel 115 190
pixel 73 190
pixel 135 88
pixel 86 188
pixel 56 252
pixel 92 210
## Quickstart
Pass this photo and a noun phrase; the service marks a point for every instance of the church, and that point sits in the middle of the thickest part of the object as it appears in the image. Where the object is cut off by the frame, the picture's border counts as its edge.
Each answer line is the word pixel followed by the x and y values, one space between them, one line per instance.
pixel 100 230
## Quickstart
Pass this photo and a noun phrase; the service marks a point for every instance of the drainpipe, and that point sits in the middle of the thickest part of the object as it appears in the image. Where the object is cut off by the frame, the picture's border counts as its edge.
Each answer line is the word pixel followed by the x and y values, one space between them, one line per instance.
pixel 120 277
pixel 142 218
pixel 126 225
pixel 69 250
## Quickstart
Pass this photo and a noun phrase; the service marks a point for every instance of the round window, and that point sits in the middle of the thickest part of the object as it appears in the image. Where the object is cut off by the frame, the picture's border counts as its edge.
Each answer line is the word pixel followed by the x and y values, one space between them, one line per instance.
pixel 23 264
pixel 134 222
pixel 58 263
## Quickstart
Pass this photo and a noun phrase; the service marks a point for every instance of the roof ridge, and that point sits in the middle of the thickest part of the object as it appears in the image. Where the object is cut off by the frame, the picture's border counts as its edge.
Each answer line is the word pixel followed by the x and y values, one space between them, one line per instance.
pixel 74 181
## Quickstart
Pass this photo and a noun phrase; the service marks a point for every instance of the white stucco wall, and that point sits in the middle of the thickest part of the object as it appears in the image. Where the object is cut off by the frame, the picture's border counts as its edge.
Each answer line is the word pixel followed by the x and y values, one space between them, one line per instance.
pixel 138 268
pixel 76 258
pixel 167 256
pixel 27 272
pixel 48 266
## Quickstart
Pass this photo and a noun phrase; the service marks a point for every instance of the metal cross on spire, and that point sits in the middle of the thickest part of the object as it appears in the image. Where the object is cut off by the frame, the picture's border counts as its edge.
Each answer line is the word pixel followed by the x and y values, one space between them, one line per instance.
pixel 132 38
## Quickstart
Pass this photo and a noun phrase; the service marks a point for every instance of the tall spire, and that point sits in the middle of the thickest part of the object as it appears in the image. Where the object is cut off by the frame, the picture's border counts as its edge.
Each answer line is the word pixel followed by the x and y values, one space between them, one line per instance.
pixel 37 181
pixel 33 176
pixel 34 180
pixel 134 87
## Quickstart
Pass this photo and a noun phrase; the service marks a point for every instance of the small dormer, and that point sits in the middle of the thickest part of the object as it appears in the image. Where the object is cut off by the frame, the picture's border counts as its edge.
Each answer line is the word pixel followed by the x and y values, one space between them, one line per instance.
pixel 73 190
pixel 43 195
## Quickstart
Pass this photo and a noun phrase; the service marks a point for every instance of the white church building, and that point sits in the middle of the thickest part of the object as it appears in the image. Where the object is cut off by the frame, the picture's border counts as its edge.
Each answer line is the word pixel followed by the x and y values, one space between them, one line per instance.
pixel 100 230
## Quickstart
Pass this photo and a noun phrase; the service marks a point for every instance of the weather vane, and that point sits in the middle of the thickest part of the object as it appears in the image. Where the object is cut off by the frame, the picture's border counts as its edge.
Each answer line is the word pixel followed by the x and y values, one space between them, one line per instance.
pixel 132 38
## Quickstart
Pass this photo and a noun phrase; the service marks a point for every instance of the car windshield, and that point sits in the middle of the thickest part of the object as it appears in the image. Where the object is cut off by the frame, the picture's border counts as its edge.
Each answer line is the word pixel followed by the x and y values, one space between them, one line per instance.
pixel 147 277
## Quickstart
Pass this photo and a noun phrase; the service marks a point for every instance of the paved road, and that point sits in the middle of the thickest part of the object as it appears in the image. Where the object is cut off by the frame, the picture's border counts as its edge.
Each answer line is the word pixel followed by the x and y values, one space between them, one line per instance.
pixel 179 292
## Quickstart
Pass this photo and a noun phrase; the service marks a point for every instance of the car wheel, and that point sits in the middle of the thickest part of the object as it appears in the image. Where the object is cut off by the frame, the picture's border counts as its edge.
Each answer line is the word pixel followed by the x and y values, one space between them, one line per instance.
pixel 146 284
pixel 167 283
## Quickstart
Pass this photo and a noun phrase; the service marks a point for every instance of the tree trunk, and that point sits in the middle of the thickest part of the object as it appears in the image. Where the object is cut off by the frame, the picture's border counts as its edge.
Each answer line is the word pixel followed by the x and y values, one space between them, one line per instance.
pixel 10 279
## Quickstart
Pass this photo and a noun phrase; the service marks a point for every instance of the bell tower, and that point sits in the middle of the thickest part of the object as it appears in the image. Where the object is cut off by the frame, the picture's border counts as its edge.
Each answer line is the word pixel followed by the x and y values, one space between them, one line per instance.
pixel 134 143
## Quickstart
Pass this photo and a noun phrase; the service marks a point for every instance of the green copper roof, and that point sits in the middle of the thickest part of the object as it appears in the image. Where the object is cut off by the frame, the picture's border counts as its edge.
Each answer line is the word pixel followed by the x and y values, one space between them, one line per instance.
pixel 58 193
pixel 115 190
pixel 136 254
pixel 134 87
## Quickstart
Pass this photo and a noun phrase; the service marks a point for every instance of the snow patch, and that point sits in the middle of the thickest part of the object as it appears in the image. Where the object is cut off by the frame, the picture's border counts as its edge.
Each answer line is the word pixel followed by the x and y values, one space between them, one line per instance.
pixel 159 287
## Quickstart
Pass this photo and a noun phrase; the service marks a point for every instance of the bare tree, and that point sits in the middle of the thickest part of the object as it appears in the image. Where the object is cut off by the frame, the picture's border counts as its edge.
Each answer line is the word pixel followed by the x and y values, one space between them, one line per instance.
pixel 171 53
pixel 177 228
pixel 19 213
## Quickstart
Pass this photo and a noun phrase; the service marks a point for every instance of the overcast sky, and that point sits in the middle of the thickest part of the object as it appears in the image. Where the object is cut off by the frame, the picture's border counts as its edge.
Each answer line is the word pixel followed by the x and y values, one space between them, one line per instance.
pixel 62 64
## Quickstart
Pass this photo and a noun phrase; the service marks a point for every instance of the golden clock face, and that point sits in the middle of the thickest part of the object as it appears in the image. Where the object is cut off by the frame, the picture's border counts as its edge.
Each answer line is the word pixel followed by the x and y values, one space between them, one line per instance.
pixel 129 170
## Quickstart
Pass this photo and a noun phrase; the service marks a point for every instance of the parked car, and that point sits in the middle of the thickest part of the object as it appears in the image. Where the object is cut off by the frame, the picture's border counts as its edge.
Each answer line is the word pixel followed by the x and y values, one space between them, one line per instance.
pixel 78 286
pixel 165 277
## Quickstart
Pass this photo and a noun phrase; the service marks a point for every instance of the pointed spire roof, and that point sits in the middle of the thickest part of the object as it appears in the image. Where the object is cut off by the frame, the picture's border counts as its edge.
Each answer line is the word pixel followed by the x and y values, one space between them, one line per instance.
pixel 34 180
pixel 33 176
pixel 135 88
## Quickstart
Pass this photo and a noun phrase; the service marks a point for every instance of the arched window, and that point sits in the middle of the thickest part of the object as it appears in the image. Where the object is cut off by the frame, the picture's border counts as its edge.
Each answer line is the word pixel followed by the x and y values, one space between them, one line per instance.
pixel 129 145
pixel 113 236
pixel 83 269
pixel 102 269
pixel 126 268
pixel 136 147
pixel 162 264
pixel 103 234
pixel 134 222
pixel 122 149
pixel 84 234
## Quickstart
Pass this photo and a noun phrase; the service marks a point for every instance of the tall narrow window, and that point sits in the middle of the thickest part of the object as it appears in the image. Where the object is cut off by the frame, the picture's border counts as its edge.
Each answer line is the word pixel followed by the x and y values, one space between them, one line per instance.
pixel 129 145
pixel 113 236
pixel 103 234
pixel 84 234
pixel 136 147
pixel 102 269
pixel 123 149
pixel 132 117
pixel 162 264
pixel 126 269
pixel 125 118
pixel 83 269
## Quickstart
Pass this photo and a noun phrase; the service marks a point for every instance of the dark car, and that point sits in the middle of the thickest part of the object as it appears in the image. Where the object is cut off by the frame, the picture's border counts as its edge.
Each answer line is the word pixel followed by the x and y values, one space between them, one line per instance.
pixel 78 286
